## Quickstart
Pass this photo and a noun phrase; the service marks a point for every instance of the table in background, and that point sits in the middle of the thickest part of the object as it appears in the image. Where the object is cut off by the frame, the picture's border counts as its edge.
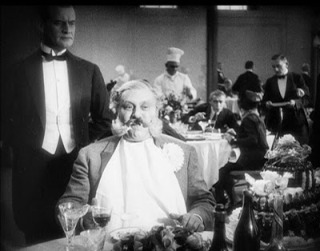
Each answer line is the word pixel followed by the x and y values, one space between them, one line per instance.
pixel 212 155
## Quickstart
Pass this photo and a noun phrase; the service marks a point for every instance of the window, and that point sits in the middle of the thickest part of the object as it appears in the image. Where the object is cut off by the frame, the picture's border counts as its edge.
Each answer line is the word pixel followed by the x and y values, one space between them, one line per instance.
pixel 159 6
pixel 232 7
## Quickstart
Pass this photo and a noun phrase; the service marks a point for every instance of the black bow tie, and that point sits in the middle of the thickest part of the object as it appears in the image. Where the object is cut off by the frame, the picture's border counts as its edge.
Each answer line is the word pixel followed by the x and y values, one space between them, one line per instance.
pixel 281 76
pixel 49 57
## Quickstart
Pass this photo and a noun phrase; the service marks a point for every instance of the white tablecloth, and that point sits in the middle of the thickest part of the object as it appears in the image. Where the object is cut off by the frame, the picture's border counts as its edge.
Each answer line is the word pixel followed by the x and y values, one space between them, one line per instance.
pixel 212 154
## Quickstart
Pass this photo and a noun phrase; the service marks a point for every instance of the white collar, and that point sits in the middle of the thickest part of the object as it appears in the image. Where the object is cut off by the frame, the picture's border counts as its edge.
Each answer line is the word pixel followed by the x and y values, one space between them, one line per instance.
pixel 49 50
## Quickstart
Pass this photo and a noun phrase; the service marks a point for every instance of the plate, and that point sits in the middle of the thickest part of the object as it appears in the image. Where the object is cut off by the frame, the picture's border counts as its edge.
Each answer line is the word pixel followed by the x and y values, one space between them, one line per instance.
pixel 120 233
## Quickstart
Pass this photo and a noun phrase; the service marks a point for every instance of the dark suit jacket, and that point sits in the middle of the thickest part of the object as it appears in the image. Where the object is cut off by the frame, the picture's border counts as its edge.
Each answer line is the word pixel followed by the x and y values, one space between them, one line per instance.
pixel 225 117
pixel 294 118
pixel 88 98
pixel 247 81
pixel 93 159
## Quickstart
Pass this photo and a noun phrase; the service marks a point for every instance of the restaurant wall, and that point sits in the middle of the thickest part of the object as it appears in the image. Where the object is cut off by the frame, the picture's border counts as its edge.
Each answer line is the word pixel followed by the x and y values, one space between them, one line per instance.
pixel 138 38
pixel 259 34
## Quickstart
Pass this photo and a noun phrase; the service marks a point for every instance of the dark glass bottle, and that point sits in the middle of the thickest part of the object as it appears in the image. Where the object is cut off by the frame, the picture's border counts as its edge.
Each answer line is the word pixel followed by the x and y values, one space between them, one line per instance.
pixel 276 242
pixel 219 238
pixel 247 234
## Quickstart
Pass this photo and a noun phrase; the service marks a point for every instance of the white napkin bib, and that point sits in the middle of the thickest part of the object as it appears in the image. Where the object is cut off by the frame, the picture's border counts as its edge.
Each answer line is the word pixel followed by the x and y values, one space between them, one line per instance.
pixel 140 184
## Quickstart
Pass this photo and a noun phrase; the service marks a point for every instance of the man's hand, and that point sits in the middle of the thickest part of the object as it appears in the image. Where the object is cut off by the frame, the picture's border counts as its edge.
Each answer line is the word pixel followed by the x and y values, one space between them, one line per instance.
pixel 200 116
pixel 231 131
pixel 192 222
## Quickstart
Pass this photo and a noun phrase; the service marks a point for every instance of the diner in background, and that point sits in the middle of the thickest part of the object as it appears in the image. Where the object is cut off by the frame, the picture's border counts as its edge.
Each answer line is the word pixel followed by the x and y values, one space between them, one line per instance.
pixel 173 82
pixel 53 92
pixel 122 76
pixel 252 143
pixel 221 117
pixel 288 90
pixel 144 175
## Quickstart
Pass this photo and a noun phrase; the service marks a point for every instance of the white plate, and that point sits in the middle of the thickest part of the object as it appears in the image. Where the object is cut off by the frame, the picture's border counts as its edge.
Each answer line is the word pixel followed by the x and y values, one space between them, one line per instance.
pixel 120 233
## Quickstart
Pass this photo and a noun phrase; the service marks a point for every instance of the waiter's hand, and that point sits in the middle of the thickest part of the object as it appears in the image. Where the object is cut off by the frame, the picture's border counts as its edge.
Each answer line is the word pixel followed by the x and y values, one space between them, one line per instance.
pixel 291 103
pixel 269 104
pixel 300 92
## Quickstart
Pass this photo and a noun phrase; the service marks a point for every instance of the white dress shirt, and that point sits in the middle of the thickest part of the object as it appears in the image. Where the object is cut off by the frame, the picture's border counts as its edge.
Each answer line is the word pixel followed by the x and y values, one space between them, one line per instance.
pixel 58 107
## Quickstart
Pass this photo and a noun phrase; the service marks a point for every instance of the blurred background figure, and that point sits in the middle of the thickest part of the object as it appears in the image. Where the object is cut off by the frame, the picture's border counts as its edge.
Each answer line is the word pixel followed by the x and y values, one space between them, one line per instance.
pixel 252 142
pixel 221 118
pixel 305 73
pixel 289 90
pixel 221 76
pixel 247 81
pixel 173 82
pixel 122 76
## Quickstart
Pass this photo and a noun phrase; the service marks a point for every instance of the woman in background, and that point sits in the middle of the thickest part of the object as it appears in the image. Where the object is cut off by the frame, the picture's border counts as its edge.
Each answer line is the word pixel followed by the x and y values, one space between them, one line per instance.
pixel 252 142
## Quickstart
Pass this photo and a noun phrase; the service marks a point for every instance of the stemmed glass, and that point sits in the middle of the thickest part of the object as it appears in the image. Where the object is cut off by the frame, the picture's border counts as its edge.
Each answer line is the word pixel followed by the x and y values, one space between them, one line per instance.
pixel 69 215
pixel 203 125
pixel 101 215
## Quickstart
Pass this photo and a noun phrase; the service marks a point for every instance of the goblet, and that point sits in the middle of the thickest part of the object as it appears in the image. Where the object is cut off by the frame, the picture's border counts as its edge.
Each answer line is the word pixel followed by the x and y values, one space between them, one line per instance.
pixel 69 215
pixel 101 215
pixel 203 125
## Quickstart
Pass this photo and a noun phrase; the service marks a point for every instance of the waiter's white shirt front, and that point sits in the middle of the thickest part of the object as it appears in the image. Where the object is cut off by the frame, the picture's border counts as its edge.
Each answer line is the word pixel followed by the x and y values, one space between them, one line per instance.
pixel 58 107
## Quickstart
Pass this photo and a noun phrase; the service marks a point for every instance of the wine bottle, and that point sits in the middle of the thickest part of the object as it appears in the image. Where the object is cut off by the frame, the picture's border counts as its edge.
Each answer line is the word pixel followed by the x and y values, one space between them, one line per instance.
pixel 219 237
pixel 247 234
pixel 276 243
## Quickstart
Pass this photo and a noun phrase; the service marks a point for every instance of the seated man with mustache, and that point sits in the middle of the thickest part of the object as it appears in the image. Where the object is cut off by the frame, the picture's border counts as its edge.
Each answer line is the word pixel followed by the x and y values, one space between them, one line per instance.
pixel 146 176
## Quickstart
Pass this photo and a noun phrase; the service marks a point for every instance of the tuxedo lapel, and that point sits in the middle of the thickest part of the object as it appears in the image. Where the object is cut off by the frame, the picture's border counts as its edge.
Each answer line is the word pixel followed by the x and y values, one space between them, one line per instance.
pixel 290 87
pixel 34 75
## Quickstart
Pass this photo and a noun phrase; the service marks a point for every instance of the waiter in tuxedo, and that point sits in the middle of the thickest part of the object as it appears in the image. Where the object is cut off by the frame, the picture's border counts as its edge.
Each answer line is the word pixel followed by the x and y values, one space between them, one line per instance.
pixel 247 81
pixel 288 91
pixel 59 105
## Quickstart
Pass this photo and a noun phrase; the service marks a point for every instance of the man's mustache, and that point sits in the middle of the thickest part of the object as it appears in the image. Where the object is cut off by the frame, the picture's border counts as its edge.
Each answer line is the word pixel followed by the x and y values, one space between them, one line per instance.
pixel 135 121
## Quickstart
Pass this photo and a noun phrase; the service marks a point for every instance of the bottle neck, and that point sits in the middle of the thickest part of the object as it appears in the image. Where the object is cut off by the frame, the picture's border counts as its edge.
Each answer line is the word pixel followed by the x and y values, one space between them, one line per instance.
pixel 219 229
pixel 277 223
pixel 247 205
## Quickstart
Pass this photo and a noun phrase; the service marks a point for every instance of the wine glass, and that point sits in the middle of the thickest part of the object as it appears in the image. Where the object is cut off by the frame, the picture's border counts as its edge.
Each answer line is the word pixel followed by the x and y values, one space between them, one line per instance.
pixel 101 215
pixel 203 125
pixel 69 215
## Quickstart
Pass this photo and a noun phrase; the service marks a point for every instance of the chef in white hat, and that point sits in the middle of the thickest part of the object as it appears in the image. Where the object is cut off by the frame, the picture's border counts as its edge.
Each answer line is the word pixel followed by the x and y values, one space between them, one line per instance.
pixel 172 81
